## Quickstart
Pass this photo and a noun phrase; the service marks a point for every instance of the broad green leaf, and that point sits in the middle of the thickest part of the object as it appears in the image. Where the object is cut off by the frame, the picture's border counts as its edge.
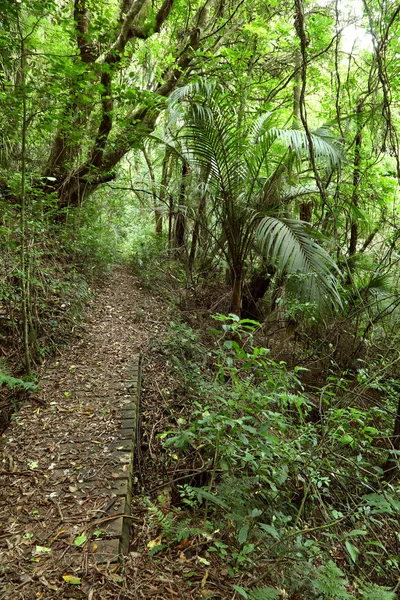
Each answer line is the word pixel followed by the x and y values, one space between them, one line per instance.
pixel 243 533
pixel 80 540
pixel 352 550
pixel 357 532
pixel 241 591
pixel 270 529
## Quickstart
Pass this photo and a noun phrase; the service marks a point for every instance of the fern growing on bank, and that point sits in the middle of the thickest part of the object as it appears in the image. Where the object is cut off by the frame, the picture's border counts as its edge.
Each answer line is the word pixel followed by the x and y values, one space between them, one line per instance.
pixel 13 382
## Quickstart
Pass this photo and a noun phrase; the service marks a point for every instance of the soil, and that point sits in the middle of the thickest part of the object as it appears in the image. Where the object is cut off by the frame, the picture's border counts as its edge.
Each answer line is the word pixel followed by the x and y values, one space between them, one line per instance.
pixel 64 435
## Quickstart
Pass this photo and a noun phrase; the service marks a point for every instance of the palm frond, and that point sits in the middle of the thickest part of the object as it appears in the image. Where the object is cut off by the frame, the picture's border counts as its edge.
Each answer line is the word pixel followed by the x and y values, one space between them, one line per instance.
pixel 262 123
pixel 211 140
pixel 327 150
pixel 297 191
pixel 291 248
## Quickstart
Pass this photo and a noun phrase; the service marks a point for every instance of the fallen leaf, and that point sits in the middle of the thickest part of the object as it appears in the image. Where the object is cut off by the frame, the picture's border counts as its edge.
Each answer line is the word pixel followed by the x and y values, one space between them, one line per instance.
pixel 204 580
pixel 156 542
pixel 42 549
pixel 80 540
pixel 183 544
pixel 98 532
pixel 72 579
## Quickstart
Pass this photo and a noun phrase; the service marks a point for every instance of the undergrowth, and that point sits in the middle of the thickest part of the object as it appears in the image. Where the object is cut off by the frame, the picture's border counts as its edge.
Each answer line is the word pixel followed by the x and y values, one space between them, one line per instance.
pixel 292 505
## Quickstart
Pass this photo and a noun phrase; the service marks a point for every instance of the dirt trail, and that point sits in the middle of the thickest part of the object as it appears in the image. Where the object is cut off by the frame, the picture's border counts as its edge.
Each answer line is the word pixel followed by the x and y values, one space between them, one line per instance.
pixel 63 438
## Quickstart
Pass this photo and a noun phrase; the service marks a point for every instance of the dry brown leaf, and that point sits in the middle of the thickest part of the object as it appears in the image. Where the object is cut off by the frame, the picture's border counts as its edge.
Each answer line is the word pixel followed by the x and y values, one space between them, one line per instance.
pixel 183 544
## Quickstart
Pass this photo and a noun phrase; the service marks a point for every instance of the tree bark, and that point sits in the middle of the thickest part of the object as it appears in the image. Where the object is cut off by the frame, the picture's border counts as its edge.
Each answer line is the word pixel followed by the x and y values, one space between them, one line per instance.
pixel 305 207
pixel 237 291
pixel 162 193
pixel 196 231
pixel 157 213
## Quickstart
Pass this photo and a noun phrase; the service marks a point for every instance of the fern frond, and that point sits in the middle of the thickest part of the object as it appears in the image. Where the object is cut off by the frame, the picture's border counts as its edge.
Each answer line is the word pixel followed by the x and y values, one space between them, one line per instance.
pixel 13 382
pixel 264 593
pixel 377 592
pixel 332 582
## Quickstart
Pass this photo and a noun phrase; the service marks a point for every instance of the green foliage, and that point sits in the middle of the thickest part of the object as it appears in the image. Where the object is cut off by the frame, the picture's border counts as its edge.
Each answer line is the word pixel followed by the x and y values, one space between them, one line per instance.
pixel 289 246
pixel 13 382
pixel 377 592
pixel 250 419
pixel 264 593
pixel 332 582
pixel 148 253
pixel 247 173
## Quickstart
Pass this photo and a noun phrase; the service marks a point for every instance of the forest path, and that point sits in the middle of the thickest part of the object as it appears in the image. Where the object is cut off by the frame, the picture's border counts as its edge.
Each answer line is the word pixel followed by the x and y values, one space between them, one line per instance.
pixel 59 459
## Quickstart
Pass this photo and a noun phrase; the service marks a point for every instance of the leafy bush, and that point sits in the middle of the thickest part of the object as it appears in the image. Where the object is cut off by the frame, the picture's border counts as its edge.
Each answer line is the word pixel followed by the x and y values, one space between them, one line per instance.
pixel 305 492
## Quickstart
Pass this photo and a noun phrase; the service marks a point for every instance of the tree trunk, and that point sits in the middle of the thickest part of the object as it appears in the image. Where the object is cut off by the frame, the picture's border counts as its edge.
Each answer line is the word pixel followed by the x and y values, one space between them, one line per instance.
pixel 390 467
pixel 305 207
pixel 356 179
pixel 196 231
pixel 255 291
pixel 157 212
pixel 180 216
pixel 170 217
pixel 306 212
pixel 163 188
pixel 237 291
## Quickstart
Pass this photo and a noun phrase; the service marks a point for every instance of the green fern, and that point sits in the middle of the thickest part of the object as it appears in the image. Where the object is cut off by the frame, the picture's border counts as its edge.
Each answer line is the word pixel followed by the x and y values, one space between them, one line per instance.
pixel 332 582
pixel 264 593
pixel 185 530
pixel 377 592
pixel 13 382
pixel 165 521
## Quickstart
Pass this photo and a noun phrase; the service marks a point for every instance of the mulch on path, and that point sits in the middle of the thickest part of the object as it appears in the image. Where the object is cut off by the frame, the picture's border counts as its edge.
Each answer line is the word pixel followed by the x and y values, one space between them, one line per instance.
pixel 64 437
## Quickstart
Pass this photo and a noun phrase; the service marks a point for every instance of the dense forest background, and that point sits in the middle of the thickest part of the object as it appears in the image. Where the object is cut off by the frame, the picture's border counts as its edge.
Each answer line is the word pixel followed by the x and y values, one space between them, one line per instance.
pixel 243 158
